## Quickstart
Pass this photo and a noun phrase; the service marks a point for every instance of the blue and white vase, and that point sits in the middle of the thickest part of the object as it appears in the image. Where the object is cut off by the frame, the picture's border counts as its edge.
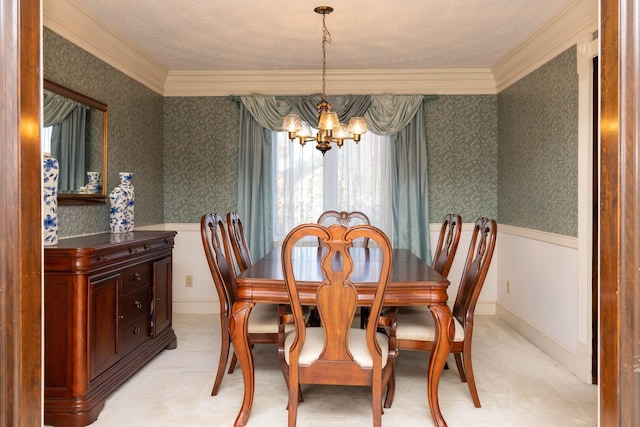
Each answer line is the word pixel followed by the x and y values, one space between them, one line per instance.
pixel 50 173
pixel 94 186
pixel 121 205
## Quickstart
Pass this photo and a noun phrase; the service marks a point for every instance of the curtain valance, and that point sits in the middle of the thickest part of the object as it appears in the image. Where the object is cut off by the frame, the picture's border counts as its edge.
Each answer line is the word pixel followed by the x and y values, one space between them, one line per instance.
pixel 385 114
pixel 55 108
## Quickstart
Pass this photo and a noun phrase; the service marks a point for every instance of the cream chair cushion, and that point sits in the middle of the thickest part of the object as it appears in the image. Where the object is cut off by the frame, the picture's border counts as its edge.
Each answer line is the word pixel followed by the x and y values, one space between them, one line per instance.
pixel 417 323
pixel 314 343
pixel 264 320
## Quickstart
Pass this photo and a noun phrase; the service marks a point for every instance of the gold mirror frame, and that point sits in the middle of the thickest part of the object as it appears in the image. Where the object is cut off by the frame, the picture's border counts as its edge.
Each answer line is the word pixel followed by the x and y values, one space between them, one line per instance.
pixel 77 198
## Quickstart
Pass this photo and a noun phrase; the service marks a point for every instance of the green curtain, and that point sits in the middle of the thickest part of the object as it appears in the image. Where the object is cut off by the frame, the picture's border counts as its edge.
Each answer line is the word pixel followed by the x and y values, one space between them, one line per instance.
pixel 254 183
pixel 410 189
pixel 397 115
pixel 68 138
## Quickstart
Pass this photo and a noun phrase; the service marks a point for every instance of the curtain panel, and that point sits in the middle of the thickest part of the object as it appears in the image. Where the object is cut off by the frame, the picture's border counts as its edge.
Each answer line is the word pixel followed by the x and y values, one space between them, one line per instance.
pixel 397 115
pixel 68 138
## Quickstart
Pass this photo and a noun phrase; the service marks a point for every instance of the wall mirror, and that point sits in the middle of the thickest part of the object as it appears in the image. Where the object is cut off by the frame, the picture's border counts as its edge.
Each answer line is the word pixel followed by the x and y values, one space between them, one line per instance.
pixel 75 133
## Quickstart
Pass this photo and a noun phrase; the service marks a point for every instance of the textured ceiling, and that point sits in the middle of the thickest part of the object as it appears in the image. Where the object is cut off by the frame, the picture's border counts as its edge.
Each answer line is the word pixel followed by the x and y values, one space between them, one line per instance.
pixel 208 35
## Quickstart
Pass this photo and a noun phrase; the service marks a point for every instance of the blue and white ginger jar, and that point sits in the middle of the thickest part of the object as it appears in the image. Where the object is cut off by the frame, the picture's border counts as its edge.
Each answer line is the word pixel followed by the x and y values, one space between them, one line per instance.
pixel 121 205
pixel 50 174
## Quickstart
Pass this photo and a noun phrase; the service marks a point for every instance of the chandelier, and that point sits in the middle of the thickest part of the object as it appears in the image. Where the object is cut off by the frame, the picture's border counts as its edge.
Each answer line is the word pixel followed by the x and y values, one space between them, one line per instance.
pixel 329 127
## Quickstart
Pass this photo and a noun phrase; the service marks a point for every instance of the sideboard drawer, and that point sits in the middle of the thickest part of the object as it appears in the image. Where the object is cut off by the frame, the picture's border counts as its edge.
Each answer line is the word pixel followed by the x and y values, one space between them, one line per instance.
pixel 134 306
pixel 136 277
pixel 133 335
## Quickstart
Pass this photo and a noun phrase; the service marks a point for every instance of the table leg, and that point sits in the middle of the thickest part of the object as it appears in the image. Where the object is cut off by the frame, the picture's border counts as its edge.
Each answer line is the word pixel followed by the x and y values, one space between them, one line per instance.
pixel 239 337
pixel 444 319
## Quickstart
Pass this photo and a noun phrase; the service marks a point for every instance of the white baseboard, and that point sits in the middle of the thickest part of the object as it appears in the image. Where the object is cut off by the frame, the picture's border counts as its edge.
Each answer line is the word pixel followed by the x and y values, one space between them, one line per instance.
pixel 560 353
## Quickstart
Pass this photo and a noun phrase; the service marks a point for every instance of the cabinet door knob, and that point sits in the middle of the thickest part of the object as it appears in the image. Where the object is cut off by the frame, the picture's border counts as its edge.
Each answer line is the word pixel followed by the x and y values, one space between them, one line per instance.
pixel 138 304
pixel 121 317
pixel 136 330
pixel 137 277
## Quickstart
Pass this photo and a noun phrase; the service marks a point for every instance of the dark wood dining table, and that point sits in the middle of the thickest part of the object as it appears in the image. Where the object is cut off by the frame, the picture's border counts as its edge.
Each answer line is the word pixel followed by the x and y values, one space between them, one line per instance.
pixel 412 283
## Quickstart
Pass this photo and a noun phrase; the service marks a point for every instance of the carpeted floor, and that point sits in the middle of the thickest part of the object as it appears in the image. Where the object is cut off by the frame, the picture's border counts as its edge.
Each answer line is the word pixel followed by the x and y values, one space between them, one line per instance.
pixel 518 384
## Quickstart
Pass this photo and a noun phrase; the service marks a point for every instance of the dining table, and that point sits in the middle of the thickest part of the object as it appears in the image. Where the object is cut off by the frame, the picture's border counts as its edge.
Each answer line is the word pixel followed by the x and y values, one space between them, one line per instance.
pixel 412 283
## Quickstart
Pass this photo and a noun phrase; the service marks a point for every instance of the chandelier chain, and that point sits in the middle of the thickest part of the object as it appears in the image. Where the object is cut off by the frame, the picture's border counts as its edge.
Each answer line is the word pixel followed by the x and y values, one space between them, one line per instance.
pixel 326 38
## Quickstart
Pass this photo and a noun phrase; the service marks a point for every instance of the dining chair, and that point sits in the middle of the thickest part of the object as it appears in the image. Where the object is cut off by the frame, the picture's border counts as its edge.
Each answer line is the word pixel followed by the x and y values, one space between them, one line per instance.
pixel 337 353
pixel 416 330
pixel 344 218
pixel 264 326
pixel 445 252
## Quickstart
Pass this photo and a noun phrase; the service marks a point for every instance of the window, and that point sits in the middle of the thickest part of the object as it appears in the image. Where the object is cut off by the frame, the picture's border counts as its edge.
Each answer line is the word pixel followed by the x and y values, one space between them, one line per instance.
pixel 354 177
pixel 46 139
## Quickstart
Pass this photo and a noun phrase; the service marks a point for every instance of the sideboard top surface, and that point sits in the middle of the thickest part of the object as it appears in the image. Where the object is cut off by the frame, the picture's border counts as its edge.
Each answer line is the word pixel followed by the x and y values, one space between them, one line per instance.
pixel 108 239
pixel 100 250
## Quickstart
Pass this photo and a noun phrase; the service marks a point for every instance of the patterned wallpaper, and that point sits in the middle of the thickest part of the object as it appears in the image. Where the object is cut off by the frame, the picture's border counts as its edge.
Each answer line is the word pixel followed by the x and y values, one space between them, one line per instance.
pixel 461 139
pixel 134 134
pixel 538 149
pixel 201 137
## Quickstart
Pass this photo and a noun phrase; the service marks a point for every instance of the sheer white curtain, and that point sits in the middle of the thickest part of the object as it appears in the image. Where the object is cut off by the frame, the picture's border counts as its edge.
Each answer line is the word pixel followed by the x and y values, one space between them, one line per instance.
pixel 352 178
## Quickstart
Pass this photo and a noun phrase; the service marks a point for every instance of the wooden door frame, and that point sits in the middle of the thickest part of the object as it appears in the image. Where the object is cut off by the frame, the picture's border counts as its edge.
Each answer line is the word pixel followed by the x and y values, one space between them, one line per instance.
pixel 619 213
pixel 20 229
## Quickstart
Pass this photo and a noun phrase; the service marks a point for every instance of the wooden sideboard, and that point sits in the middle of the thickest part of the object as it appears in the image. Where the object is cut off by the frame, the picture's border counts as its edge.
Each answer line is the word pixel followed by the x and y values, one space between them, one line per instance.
pixel 107 312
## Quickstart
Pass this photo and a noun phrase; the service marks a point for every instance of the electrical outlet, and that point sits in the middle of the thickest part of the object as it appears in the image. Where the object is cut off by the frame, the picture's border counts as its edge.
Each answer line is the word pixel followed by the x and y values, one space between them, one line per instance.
pixel 188 281
pixel 508 287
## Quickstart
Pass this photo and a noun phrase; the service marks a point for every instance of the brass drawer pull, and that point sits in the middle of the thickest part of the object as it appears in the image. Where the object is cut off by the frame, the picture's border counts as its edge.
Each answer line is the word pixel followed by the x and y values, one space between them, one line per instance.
pixel 137 277
pixel 138 304
pixel 136 330
pixel 133 250
pixel 121 317
pixel 102 258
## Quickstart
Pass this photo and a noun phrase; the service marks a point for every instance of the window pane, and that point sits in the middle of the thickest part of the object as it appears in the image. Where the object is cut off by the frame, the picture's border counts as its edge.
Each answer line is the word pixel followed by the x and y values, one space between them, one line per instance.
pixel 352 178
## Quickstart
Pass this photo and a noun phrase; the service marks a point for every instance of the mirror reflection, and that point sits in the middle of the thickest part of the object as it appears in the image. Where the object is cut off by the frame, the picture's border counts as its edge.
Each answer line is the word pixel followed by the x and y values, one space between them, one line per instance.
pixel 75 133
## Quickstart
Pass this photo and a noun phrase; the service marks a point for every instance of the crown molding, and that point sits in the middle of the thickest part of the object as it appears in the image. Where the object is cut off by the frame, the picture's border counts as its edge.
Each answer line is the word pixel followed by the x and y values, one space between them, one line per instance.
pixel 340 82
pixel 71 20
pixel 568 28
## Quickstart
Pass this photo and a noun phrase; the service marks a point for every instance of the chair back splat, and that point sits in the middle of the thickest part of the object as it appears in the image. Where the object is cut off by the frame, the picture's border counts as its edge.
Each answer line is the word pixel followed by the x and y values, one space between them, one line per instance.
pixel 344 218
pixel 336 352
pixel 238 241
pixel 447 243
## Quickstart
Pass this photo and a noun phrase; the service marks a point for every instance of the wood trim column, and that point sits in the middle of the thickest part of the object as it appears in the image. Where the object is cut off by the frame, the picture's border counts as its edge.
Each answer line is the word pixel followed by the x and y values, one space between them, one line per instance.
pixel 620 214
pixel 20 228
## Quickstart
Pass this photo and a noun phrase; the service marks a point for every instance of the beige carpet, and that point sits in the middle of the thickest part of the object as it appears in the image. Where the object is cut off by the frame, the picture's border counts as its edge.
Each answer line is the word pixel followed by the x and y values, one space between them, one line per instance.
pixel 518 384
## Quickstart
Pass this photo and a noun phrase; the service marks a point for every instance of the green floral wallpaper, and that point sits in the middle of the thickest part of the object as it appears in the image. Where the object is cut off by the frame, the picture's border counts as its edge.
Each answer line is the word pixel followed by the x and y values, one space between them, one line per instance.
pixel 538 149
pixel 134 133
pixel 461 139
pixel 201 137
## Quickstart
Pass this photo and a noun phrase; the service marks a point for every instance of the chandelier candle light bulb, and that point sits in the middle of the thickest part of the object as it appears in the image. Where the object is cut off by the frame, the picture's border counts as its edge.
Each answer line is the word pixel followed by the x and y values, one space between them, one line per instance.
pixel 329 127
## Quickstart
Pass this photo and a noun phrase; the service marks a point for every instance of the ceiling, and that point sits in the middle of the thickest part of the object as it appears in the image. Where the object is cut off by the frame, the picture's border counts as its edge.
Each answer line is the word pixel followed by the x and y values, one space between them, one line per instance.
pixel 208 35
